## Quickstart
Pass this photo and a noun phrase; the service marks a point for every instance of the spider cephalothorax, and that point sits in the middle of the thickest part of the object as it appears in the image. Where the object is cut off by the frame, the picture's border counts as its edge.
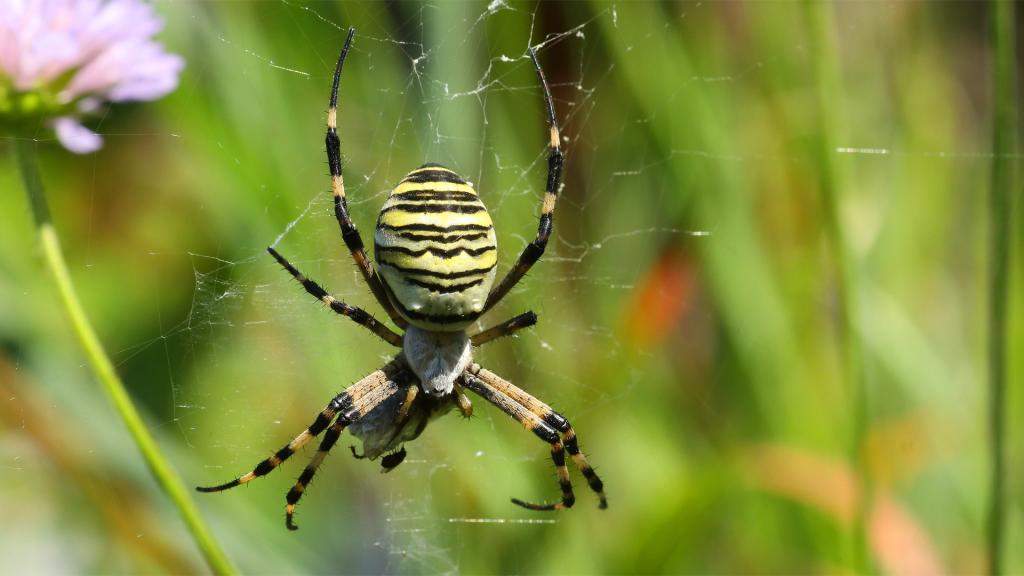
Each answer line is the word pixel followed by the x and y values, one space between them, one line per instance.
pixel 436 264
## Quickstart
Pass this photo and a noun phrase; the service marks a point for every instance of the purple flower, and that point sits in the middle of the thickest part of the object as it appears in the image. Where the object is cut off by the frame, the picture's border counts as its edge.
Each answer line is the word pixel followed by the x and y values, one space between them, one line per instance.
pixel 60 59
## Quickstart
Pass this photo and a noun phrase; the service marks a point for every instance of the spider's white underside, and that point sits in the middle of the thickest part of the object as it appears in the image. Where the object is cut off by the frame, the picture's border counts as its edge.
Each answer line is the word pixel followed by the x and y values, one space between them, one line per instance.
pixel 437 358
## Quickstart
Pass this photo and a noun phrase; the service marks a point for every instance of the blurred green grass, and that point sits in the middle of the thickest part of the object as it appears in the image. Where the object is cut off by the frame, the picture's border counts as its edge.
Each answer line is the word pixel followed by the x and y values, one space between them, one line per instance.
pixel 703 372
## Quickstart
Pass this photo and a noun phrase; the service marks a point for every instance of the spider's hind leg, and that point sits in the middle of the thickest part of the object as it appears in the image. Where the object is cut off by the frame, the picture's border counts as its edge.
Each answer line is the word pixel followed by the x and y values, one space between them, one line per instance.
pixel 267 465
pixel 595 483
pixel 535 424
pixel 330 438
pixel 546 424
pixel 379 392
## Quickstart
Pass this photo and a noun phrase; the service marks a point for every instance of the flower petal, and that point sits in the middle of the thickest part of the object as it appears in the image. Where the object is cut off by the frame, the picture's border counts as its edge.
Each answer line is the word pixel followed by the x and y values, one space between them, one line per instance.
pixel 75 137
pixel 107 45
pixel 82 53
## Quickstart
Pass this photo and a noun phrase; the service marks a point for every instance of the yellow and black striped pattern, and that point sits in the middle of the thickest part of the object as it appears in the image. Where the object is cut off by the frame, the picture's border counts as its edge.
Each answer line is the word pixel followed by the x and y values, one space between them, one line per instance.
pixel 436 249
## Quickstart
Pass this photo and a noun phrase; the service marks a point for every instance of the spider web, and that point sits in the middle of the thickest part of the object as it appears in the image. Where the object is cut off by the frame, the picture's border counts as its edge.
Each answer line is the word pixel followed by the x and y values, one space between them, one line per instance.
pixel 250 358
pixel 246 312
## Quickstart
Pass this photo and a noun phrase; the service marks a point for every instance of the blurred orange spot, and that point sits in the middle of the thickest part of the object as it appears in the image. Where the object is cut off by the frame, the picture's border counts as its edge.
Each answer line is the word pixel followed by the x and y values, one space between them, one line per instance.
pixel 660 300
pixel 820 482
pixel 898 542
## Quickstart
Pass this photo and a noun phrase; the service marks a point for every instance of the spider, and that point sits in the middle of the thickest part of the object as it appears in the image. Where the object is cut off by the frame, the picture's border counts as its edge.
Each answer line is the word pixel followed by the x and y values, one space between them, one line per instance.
pixel 436 257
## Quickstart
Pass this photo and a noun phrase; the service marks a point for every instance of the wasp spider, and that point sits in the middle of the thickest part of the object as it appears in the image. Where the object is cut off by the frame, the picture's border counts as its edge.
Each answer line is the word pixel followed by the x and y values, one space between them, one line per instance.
pixel 436 264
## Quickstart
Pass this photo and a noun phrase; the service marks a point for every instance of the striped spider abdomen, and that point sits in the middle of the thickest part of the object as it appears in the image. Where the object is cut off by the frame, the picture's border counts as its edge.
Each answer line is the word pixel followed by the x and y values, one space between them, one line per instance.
pixel 436 249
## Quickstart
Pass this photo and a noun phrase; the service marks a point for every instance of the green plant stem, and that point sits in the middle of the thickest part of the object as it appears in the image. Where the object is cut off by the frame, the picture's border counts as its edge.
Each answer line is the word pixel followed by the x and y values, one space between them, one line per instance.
pixel 1004 128
pixel 826 73
pixel 104 370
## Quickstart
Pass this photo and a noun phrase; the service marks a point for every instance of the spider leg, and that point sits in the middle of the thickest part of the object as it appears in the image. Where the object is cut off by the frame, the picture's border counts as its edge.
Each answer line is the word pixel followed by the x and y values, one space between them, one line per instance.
pixel 265 466
pixel 330 438
pixel 535 424
pixel 534 249
pixel 506 328
pixel 544 414
pixel 358 315
pixel 391 461
pixel 403 412
pixel 461 400
pixel 349 233
pixel 380 391
pixel 342 401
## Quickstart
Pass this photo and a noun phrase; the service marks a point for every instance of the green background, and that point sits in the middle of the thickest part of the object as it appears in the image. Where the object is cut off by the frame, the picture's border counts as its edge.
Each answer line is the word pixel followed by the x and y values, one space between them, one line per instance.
pixel 691 303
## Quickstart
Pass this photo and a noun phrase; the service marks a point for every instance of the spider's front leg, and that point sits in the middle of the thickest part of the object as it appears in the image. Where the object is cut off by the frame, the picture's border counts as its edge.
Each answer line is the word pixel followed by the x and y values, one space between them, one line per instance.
pixel 539 418
pixel 535 249
pixel 349 233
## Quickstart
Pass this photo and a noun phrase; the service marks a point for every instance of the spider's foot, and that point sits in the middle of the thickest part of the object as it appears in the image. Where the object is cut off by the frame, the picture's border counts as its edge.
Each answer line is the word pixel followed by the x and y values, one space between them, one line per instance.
pixel 355 454
pixel 391 461
pixel 226 485
pixel 289 512
pixel 563 505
